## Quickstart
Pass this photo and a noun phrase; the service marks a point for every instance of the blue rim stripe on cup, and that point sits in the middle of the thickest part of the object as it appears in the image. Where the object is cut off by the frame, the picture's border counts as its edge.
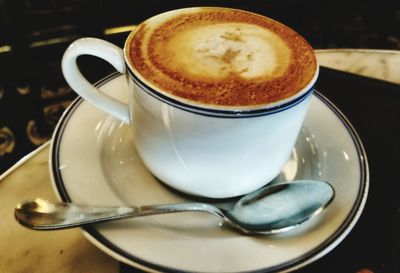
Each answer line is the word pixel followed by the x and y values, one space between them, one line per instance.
pixel 212 112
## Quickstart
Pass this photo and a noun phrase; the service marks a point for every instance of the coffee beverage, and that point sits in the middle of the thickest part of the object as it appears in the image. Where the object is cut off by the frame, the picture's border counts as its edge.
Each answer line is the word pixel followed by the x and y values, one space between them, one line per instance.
pixel 221 57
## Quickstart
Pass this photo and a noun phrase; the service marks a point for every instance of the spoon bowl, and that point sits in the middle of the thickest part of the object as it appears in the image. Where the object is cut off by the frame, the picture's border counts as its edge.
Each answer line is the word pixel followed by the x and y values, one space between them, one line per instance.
pixel 272 209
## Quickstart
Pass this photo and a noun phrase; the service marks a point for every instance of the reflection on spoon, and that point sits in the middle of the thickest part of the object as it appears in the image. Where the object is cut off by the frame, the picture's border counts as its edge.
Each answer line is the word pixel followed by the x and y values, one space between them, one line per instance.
pixel 272 209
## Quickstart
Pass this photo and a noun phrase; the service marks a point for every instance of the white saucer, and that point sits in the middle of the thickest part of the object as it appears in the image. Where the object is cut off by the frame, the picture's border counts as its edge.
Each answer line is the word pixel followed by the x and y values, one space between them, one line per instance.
pixel 93 161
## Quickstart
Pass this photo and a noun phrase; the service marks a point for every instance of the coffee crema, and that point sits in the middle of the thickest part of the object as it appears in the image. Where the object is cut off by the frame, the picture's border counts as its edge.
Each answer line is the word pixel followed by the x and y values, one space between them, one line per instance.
pixel 221 57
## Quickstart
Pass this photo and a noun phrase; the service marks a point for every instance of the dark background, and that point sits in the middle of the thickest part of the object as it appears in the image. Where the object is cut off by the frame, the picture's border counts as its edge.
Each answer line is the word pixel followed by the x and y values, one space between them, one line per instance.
pixel 33 93
pixel 35 33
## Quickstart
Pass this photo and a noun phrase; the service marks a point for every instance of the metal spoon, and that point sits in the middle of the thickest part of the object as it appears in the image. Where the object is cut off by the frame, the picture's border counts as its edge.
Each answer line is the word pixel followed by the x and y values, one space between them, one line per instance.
pixel 272 209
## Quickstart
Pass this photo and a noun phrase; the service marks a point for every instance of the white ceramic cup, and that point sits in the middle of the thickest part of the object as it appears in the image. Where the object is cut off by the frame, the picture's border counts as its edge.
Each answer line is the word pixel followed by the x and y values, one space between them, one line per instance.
pixel 200 151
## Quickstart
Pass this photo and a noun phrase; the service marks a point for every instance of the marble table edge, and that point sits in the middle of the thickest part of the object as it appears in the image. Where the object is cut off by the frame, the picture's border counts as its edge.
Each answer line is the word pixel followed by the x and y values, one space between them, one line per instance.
pixel 357 50
pixel 24 159
pixel 381 64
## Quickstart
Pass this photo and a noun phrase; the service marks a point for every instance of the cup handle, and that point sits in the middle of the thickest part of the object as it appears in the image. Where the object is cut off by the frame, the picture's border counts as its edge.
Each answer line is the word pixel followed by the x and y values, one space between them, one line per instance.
pixel 106 51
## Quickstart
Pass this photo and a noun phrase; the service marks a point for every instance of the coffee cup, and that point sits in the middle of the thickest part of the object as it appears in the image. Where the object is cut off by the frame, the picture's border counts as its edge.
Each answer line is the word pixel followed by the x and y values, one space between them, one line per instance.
pixel 217 96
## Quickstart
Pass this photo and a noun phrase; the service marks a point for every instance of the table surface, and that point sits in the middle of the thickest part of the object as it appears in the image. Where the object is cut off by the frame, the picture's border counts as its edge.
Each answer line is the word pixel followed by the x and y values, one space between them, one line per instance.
pixel 24 250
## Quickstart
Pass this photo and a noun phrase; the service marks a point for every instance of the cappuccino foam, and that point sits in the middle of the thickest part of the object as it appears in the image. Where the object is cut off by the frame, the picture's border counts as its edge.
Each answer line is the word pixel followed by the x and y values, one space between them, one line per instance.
pixel 221 57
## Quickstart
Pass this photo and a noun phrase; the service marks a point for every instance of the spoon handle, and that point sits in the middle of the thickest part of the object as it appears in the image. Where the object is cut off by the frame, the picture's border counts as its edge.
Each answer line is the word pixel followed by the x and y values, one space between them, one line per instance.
pixel 40 214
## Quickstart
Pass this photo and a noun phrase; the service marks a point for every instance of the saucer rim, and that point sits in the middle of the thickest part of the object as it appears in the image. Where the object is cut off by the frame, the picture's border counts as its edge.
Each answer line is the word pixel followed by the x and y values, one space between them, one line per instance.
pixel 114 251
